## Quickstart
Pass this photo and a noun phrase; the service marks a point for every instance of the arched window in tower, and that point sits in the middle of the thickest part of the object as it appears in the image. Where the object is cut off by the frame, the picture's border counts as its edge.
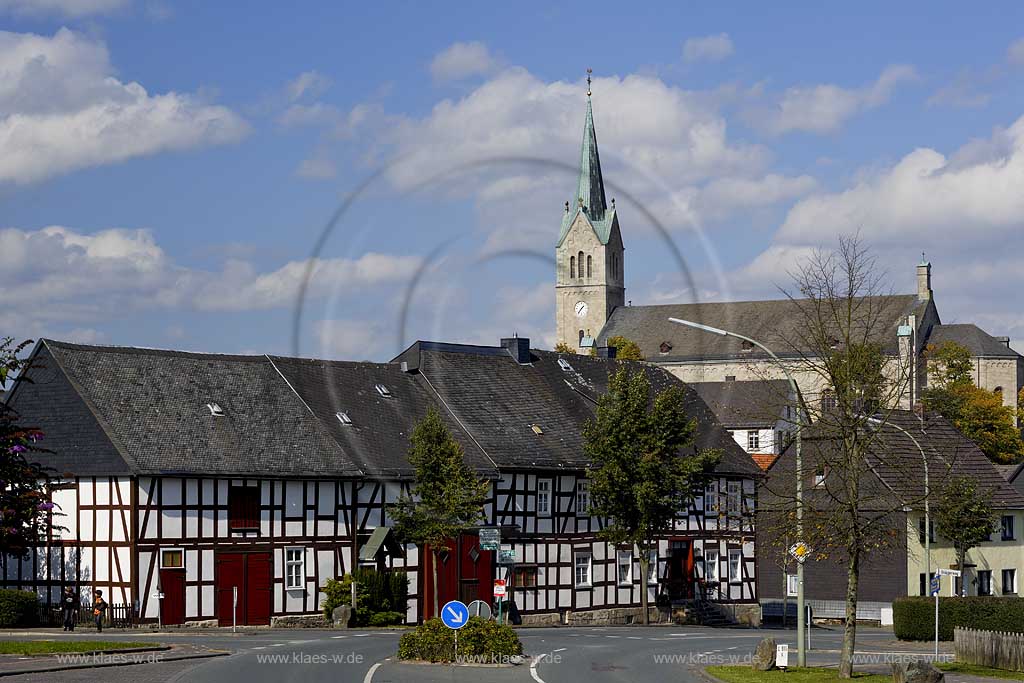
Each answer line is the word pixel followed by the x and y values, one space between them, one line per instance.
pixel 579 260
pixel 572 267
pixel 581 338
pixel 588 266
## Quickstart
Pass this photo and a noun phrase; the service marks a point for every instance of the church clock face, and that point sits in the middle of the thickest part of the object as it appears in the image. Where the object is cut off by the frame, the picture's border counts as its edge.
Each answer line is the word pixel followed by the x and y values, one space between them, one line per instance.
pixel 581 308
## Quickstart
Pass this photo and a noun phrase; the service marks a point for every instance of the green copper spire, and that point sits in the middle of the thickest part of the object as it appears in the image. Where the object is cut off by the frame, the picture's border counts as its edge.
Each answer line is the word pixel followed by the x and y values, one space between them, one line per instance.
pixel 591 186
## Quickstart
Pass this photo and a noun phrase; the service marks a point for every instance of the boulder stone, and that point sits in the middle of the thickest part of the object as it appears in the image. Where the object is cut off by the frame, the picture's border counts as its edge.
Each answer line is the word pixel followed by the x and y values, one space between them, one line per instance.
pixel 341 615
pixel 764 655
pixel 916 672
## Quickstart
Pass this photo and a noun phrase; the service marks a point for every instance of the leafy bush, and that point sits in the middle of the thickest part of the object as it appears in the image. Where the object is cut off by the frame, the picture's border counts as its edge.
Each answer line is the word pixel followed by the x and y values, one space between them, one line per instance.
pixel 376 592
pixel 914 618
pixel 18 608
pixel 435 642
pixel 386 618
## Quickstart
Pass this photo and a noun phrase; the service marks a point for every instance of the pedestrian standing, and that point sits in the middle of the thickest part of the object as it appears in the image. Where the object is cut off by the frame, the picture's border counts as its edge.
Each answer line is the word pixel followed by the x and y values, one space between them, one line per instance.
pixel 68 607
pixel 99 609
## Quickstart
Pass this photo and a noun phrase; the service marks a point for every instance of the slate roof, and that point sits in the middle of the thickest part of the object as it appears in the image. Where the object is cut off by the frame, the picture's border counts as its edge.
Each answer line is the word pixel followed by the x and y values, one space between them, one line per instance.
pixel 499 401
pixel 152 405
pixel 775 323
pixel 120 410
pixel 977 340
pixel 897 466
pixel 1014 474
pixel 746 404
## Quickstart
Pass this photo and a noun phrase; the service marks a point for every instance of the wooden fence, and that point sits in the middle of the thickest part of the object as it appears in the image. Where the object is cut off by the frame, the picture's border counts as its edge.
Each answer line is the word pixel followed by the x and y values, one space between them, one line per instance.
pixel 989 648
pixel 117 616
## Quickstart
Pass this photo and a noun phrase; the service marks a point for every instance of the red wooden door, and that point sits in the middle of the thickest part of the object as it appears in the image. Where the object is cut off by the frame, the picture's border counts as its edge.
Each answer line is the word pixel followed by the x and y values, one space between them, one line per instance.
pixel 258 585
pixel 172 607
pixel 252 574
pixel 230 574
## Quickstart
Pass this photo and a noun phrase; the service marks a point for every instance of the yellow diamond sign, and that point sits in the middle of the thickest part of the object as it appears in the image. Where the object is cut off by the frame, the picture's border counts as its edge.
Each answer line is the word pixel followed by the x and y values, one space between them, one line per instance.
pixel 799 551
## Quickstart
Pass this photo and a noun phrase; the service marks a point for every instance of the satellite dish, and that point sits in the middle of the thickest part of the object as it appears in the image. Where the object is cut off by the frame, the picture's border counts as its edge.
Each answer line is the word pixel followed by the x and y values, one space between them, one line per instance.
pixel 479 608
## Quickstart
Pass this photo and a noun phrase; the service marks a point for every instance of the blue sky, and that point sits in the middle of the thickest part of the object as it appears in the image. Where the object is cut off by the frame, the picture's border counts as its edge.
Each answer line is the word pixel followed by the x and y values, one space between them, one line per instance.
pixel 166 169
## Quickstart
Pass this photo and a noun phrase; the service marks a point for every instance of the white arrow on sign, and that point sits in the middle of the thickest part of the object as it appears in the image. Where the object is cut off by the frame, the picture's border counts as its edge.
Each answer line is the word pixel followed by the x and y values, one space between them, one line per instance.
pixel 456 616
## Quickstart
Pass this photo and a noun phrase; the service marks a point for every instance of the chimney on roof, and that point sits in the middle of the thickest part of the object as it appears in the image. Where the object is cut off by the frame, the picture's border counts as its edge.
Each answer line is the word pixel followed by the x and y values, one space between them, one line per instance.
pixel 606 352
pixel 517 347
pixel 924 280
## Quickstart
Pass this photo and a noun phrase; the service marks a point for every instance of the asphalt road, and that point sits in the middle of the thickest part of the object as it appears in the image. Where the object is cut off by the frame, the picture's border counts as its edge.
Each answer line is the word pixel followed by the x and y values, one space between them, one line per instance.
pixel 554 655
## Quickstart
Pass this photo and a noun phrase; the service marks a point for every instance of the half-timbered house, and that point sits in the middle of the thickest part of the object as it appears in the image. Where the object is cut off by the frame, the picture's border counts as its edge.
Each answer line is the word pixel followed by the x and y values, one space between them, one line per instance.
pixel 185 477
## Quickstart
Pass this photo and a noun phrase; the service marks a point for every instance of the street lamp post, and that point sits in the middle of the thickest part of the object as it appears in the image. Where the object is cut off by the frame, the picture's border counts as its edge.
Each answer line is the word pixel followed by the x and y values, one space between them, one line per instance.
pixel 927 495
pixel 801 617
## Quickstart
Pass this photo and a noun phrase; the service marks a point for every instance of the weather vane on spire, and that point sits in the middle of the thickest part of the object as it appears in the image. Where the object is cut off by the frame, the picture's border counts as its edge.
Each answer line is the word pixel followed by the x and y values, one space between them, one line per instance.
pixel 589 71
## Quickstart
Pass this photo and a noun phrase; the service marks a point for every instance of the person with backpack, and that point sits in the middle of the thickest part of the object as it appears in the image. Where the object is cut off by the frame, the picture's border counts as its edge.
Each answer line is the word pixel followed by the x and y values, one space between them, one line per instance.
pixel 99 610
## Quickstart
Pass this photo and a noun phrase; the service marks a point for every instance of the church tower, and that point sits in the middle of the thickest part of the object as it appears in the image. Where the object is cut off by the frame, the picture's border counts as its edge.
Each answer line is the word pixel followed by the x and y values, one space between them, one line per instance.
pixel 589 281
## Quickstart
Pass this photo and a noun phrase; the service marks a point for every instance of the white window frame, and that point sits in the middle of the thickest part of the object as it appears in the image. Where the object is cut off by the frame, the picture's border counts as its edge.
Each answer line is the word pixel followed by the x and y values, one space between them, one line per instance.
pixel 652 567
pixel 986 573
pixel 736 577
pixel 588 566
pixel 753 440
pixel 711 560
pixel 711 498
pixel 624 558
pixel 289 563
pixel 582 498
pixel 734 498
pixel 1013 585
pixel 792 585
pixel 172 550
pixel 544 511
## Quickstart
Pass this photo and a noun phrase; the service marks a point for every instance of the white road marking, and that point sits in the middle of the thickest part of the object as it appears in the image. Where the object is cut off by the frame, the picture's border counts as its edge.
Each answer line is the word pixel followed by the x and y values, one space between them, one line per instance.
pixel 261 647
pixel 561 649
pixel 369 674
pixel 361 635
pixel 338 637
pixel 613 636
pixel 278 644
pixel 633 638
pixel 533 670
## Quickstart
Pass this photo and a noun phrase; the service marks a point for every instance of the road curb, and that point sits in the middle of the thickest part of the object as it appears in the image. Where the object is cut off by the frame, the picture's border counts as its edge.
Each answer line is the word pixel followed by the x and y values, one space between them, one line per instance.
pixel 103 665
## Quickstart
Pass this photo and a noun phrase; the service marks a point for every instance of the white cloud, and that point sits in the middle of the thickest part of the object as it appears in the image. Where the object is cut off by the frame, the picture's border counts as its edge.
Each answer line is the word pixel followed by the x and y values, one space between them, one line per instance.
pixel 462 60
pixel 310 83
pixel 712 48
pixel 1015 53
pixel 825 108
pixel 926 195
pixel 317 168
pixel 64 110
pixel 351 339
pixel 72 9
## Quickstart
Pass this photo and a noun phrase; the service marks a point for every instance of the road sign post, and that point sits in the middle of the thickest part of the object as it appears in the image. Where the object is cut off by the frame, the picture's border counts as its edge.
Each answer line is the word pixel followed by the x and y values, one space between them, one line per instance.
pixel 490 538
pixel 454 615
pixel 234 609
pixel 936 586
pixel 500 591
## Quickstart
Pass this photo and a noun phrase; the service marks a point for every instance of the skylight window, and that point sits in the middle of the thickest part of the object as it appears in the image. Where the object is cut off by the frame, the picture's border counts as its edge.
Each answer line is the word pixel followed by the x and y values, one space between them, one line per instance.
pixel 343 417
pixel 383 390
pixel 536 429
pixel 564 364
pixel 215 409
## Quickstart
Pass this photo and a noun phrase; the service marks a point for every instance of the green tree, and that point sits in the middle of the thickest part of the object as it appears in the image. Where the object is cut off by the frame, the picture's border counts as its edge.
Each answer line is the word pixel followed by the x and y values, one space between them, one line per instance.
pixel 625 348
pixel 965 517
pixel 26 513
pixel 978 413
pixel 562 347
pixel 639 477
pixel 446 495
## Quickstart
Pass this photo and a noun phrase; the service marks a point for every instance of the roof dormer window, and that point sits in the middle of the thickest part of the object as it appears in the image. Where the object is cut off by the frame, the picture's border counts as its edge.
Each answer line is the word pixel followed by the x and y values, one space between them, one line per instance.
pixel 383 390
pixel 564 364
pixel 215 409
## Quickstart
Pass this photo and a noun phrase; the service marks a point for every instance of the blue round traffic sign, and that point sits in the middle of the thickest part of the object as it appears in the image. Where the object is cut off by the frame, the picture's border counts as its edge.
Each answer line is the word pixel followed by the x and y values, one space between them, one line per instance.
pixel 455 614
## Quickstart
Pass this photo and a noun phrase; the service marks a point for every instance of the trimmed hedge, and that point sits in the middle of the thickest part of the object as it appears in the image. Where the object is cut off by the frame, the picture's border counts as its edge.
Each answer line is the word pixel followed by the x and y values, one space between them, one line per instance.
pixel 378 593
pixel 434 642
pixel 914 618
pixel 18 608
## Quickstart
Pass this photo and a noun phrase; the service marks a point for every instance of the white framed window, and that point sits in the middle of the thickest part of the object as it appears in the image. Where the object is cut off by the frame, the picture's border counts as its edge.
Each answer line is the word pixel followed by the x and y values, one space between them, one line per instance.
pixel 172 558
pixel 294 568
pixel 582 498
pixel 544 497
pixel 792 585
pixel 710 564
pixel 753 440
pixel 734 498
pixel 711 498
pixel 581 564
pixel 1009 581
pixel 624 567
pixel 652 568
pixel 735 566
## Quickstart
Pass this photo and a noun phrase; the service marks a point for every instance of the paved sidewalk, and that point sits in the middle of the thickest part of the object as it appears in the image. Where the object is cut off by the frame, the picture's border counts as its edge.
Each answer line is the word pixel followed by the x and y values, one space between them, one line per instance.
pixel 15 665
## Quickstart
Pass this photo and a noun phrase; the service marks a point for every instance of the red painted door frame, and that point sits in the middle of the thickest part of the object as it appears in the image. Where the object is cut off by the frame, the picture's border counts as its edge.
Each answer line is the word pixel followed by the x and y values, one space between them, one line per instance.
pixel 252 573
pixel 172 606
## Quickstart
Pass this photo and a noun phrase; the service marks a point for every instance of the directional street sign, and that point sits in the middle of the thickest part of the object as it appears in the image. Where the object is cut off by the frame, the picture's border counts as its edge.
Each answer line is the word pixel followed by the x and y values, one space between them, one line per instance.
pixel 936 583
pixel 948 572
pixel 455 614
pixel 490 538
